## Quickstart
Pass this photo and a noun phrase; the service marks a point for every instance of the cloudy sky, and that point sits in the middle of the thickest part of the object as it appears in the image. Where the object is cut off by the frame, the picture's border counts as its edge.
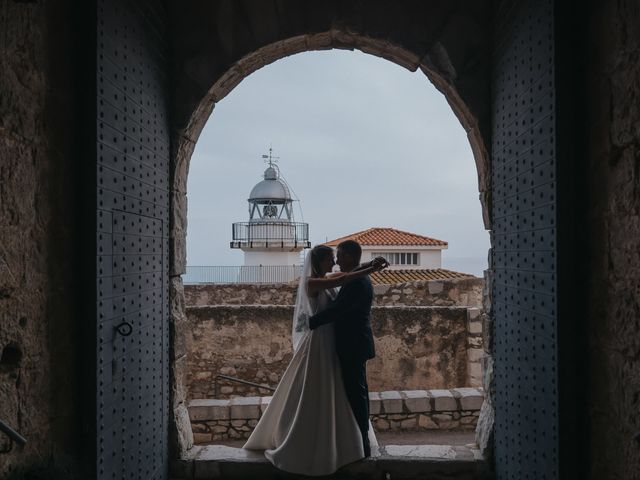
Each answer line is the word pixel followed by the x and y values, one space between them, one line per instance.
pixel 362 142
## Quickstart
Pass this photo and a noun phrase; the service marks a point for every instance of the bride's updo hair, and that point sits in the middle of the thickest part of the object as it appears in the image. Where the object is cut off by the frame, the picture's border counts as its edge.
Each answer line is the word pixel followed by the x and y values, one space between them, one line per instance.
pixel 318 254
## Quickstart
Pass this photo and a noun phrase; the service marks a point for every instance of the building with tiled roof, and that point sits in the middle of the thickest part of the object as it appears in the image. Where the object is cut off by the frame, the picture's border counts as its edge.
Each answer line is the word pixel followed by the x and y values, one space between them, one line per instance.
pixel 403 250
pixel 394 276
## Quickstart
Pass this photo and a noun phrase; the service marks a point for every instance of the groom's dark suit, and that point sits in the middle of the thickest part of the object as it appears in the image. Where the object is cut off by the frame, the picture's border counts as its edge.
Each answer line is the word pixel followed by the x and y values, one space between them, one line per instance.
pixel 354 344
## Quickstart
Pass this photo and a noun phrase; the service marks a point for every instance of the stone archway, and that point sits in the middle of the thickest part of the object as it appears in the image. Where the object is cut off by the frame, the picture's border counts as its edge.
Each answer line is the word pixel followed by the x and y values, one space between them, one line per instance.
pixel 456 66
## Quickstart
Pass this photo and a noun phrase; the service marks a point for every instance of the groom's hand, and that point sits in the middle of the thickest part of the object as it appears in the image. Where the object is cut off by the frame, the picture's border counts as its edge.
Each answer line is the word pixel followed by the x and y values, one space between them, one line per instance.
pixel 313 322
pixel 379 263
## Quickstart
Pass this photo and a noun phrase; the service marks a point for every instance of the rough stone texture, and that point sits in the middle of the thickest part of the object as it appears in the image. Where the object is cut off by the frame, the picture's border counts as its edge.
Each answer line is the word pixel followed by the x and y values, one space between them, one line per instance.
pixel 37 237
pixel 469 398
pixel 218 420
pixel 417 347
pixel 613 148
pixel 417 400
pixel 443 400
pixel 451 293
pixel 391 402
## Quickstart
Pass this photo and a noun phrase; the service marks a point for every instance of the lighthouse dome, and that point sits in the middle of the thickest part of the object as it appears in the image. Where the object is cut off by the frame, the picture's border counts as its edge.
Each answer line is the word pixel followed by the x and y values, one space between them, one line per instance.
pixel 271 188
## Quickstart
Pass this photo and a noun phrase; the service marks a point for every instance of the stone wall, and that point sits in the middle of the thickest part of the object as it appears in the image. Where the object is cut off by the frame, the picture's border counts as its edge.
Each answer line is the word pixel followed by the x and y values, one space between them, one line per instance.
pixel 612 224
pixel 464 292
pixel 414 410
pixel 37 238
pixel 417 348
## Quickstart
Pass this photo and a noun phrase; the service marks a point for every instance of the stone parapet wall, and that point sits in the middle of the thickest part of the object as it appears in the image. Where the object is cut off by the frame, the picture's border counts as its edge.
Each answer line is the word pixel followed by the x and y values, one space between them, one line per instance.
pixel 414 410
pixel 464 292
pixel 417 348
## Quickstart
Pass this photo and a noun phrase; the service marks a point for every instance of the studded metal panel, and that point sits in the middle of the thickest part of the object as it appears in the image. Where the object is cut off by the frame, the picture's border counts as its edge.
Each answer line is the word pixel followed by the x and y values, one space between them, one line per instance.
pixel 524 229
pixel 132 243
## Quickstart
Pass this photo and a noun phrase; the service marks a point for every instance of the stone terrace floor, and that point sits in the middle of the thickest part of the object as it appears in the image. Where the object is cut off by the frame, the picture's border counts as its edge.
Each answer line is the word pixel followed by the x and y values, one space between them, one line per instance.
pixel 404 456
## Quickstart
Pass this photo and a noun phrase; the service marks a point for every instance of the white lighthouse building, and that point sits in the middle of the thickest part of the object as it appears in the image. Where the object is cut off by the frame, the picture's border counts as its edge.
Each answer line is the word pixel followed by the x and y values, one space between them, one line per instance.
pixel 271 240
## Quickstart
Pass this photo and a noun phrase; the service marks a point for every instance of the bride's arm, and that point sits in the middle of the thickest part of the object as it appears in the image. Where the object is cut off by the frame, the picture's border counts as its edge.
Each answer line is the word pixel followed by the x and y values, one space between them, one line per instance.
pixel 314 284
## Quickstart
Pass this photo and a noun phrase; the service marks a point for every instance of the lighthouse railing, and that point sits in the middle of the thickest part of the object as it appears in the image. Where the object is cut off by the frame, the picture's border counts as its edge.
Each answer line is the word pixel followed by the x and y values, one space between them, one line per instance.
pixel 270 233
pixel 199 274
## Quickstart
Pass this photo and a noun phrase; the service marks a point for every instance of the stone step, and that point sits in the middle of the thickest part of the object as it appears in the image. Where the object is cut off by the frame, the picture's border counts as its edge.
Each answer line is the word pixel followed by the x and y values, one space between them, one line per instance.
pixel 389 462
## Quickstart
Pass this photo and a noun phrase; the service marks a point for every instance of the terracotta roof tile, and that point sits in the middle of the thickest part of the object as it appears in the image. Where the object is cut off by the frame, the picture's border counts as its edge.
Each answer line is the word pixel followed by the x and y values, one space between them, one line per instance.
pixel 389 277
pixel 388 236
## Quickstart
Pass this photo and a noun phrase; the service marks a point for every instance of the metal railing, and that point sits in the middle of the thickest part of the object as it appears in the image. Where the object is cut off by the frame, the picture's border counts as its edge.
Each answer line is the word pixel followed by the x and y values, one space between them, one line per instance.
pixel 237 380
pixel 242 274
pixel 13 435
pixel 270 234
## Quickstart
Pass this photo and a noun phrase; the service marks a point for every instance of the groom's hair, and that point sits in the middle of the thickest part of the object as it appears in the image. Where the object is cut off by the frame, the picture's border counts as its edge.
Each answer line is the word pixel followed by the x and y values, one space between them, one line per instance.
pixel 351 248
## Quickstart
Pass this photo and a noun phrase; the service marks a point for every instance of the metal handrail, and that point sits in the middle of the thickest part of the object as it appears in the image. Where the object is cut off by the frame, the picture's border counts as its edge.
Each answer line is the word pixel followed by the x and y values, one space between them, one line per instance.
pixel 12 434
pixel 238 380
pixel 271 232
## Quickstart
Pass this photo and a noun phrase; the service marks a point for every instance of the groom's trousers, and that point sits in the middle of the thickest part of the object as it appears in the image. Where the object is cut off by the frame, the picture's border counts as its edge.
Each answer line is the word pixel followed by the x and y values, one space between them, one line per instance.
pixel 354 376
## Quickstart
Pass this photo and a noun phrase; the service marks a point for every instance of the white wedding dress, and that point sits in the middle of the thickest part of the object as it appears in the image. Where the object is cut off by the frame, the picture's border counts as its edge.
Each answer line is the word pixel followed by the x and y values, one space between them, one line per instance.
pixel 309 427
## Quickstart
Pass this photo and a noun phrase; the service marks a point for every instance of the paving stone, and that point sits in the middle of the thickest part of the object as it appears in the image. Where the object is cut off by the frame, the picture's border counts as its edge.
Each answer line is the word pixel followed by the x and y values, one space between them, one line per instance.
pixel 391 402
pixel 209 409
pixel 443 401
pixel 469 398
pixel 417 401
pixel 443 452
pixel 245 407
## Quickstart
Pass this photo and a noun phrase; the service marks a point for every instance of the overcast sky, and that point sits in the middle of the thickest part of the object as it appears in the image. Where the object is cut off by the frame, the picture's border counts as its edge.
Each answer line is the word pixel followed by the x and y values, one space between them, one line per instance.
pixel 362 142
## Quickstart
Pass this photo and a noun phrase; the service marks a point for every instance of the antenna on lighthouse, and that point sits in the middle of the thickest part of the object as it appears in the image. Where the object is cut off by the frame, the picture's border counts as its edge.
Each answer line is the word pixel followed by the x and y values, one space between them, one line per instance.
pixel 271 159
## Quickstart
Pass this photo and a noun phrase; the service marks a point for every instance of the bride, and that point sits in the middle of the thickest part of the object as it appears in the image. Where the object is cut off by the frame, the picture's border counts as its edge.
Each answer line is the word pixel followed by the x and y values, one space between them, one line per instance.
pixel 309 427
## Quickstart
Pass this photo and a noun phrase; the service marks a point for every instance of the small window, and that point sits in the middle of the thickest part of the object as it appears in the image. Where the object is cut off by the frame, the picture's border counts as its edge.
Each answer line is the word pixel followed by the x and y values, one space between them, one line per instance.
pixel 398 258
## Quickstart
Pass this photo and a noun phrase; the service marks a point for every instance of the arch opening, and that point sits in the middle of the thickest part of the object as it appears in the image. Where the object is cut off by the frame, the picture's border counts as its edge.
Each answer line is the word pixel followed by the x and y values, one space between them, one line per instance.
pixel 437 69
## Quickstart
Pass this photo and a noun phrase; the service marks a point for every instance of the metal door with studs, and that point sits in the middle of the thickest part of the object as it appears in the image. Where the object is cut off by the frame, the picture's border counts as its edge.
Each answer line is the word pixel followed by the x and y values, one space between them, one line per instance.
pixel 524 251
pixel 132 240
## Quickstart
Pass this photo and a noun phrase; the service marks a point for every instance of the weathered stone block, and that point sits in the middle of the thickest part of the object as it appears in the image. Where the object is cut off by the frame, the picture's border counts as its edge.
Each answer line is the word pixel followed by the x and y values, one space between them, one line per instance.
pixel 381 424
pixel 475 354
pixel 427 423
pixel 374 403
pixel 435 287
pixel 469 398
pixel 245 407
pixel 209 409
pixel 264 403
pixel 443 400
pixel 391 402
pixel 470 420
pixel 484 428
pixel 179 383
pixel 417 400
pixel 200 438
pixel 409 423
pixel 183 431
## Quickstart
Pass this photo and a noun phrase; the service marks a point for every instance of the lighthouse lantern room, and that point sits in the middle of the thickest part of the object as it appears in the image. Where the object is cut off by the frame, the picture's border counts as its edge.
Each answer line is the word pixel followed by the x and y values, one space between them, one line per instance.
pixel 271 237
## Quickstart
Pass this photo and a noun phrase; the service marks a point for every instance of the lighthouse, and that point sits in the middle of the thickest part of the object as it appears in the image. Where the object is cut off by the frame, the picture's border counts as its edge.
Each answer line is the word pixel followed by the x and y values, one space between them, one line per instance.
pixel 271 240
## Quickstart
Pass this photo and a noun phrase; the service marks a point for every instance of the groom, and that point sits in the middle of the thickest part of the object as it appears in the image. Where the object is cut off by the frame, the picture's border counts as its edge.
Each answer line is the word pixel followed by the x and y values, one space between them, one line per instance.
pixel 354 338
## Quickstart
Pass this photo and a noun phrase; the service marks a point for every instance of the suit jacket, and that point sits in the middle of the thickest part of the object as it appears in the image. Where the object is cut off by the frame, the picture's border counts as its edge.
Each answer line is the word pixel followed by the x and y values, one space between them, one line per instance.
pixel 351 312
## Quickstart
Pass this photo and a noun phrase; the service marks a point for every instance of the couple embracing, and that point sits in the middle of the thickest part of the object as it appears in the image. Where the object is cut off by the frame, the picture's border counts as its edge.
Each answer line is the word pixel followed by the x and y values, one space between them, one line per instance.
pixel 318 418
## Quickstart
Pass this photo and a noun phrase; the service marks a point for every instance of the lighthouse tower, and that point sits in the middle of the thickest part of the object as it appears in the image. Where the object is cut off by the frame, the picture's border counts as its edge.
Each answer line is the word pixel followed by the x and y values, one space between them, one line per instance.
pixel 271 239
